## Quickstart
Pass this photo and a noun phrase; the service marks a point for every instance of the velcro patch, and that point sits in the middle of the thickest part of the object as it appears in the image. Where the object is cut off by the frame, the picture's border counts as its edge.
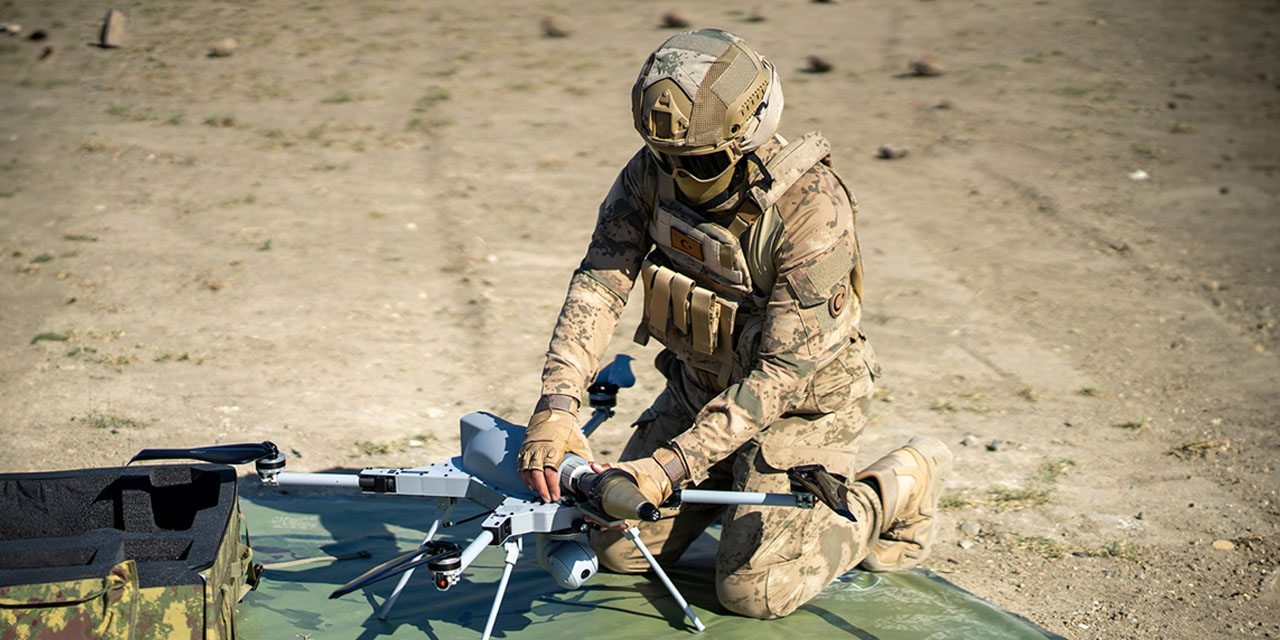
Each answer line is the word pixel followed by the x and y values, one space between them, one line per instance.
pixel 686 244
pixel 816 284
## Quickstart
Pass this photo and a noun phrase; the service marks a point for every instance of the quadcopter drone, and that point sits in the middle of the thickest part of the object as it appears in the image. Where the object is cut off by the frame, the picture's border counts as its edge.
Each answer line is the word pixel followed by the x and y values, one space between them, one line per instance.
pixel 486 474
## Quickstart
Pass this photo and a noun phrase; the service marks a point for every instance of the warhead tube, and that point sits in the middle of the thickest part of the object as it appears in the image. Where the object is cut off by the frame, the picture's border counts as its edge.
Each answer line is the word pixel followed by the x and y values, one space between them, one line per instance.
pixel 612 492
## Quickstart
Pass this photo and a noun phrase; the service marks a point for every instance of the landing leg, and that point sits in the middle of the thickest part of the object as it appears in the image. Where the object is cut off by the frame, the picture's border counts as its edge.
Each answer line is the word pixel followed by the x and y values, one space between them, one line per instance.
pixel 633 535
pixel 385 611
pixel 512 547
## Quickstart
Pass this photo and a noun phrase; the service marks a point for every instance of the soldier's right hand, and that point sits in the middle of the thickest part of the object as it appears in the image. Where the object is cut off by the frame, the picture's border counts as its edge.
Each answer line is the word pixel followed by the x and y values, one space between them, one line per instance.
pixel 550 435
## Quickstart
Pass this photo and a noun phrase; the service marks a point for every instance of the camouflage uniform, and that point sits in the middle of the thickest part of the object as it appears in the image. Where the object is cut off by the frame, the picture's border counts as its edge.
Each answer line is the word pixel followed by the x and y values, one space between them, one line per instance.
pixel 789 391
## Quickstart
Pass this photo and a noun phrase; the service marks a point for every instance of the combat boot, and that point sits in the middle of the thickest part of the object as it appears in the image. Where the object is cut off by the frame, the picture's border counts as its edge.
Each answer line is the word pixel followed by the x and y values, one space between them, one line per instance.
pixel 908 482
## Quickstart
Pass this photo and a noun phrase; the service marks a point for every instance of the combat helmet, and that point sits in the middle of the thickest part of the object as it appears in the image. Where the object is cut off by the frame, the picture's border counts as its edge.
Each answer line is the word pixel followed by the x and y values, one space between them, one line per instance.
pixel 703 100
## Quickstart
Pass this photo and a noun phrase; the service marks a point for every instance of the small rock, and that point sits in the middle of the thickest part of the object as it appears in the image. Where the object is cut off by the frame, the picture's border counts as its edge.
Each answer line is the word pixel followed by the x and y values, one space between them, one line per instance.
pixel 970 528
pixel 677 19
pixel 943 104
pixel 891 152
pixel 1224 190
pixel 826 1
pixel 1139 175
pixel 964 544
pixel 818 64
pixel 757 15
pixel 415 443
pixel 927 65
pixel 113 29
pixel 995 445
pixel 13 28
pixel 46 52
pixel 969 440
pixel 1224 545
pixel 38 35
pixel 223 48
pixel 554 27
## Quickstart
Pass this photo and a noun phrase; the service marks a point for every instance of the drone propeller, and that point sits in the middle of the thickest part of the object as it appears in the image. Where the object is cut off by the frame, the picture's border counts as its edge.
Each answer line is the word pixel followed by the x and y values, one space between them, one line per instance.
pixel 603 393
pixel 404 562
pixel 243 453
pixel 617 374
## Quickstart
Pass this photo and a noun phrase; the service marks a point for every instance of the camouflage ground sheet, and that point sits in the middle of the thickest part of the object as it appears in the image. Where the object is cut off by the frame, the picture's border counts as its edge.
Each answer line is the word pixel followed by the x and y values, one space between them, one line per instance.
pixel 292 602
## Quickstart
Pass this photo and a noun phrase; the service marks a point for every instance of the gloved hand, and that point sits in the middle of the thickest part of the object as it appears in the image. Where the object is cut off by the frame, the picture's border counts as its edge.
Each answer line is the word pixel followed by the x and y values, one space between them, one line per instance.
pixel 652 476
pixel 550 435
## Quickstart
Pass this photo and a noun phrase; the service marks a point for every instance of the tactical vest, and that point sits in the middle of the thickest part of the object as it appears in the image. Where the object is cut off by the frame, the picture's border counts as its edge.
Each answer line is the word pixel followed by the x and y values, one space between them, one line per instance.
pixel 706 285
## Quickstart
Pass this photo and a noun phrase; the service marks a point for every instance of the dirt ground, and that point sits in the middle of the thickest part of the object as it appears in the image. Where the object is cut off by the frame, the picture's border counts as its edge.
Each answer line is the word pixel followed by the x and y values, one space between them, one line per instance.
pixel 360 225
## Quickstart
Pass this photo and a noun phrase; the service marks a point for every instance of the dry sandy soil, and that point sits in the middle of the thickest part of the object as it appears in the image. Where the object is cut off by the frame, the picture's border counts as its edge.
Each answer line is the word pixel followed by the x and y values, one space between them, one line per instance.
pixel 359 226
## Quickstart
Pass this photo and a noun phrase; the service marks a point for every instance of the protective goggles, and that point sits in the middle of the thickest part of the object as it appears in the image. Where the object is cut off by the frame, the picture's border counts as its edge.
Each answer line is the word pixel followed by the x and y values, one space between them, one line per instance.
pixel 702 167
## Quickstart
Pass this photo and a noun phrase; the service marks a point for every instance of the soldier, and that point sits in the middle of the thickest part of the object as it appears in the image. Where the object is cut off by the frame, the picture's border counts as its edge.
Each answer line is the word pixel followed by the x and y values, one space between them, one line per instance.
pixel 747 251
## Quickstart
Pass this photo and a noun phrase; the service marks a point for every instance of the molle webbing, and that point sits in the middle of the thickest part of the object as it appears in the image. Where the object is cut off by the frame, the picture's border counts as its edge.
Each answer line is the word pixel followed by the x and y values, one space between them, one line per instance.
pixel 832 268
pixel 691 320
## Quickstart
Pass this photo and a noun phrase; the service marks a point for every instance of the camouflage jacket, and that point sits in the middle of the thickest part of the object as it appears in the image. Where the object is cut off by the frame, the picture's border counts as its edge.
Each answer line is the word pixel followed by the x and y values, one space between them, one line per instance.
pixel 797 338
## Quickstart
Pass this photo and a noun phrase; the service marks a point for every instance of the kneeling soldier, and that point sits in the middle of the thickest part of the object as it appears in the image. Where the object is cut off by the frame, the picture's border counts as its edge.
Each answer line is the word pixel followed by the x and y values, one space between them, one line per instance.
pixel 746 248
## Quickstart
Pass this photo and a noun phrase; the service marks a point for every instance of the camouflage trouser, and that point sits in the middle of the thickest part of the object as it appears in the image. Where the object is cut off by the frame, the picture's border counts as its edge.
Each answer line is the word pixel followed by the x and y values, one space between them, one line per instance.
pixel 771 560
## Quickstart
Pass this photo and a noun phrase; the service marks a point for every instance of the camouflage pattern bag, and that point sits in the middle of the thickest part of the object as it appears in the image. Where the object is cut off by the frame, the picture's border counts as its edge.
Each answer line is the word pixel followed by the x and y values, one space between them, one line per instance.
pixel 89 608
pixel 176 534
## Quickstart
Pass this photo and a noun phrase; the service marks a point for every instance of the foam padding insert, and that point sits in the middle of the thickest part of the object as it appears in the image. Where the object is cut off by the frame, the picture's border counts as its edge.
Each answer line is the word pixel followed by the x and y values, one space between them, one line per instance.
pixel 68 525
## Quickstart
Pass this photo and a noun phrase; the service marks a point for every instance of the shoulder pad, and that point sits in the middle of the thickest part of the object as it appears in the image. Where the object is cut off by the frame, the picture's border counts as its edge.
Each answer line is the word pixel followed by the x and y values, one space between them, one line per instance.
pixel 788 165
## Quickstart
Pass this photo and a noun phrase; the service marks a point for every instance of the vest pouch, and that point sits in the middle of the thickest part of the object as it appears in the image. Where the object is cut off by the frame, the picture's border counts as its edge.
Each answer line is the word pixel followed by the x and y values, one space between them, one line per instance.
pixel 691 321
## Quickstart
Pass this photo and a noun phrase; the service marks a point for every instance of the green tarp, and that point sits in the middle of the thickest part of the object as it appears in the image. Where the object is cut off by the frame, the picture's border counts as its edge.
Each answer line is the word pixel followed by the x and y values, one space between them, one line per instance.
pixel 292 602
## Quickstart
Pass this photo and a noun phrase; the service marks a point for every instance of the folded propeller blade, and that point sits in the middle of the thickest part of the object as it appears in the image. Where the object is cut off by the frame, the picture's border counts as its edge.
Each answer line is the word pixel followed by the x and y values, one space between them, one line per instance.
pixel 243 453
pixel 390 569
pixel 618 373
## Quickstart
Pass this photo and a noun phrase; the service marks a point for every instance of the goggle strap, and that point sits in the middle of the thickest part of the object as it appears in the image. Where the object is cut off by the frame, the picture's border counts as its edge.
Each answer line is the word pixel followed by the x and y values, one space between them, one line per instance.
pixel 764 171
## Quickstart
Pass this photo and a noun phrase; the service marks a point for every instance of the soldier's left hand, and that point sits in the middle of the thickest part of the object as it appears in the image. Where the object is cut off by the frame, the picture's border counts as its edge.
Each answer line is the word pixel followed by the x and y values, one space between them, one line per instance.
pixel 651 477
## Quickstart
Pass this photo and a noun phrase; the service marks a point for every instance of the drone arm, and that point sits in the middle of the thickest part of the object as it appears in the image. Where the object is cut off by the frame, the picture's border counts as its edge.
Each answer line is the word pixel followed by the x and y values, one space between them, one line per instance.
pixel 472 551
pixel 597 418
pixel 301 479
pixel 700 496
